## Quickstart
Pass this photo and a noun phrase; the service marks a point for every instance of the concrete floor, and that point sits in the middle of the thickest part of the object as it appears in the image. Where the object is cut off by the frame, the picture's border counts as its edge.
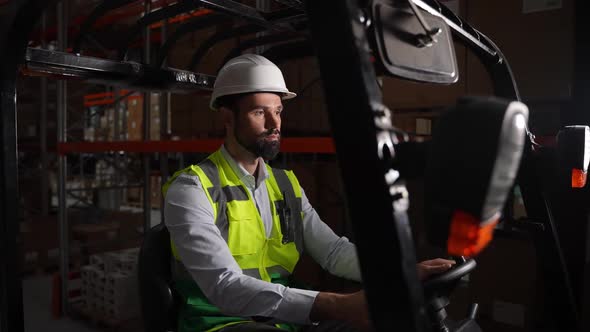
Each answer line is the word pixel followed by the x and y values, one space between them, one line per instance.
pixel 37 309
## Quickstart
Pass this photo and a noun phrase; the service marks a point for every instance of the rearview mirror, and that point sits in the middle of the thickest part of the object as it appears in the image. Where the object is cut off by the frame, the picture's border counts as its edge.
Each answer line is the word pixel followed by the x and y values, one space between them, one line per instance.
pixel 405 49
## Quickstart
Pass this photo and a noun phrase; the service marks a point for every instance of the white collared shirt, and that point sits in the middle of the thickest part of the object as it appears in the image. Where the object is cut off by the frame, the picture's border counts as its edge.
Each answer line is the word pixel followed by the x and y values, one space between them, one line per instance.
pixel 206 256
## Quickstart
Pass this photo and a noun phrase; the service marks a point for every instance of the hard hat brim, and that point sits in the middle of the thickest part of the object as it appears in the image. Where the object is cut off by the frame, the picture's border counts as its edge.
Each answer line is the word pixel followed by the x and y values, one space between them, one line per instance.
pixel 284 95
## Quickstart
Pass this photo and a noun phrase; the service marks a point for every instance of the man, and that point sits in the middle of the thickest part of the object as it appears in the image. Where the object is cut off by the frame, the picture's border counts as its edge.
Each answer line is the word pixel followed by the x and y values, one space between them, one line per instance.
pixel 238 227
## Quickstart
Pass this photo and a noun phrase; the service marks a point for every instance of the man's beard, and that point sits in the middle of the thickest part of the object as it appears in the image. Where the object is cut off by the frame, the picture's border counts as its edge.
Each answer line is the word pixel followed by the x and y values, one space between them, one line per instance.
pixel 262 147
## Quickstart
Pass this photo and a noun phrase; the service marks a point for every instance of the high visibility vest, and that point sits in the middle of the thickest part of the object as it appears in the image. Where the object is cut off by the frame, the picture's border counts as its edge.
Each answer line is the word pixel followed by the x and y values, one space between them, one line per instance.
pixel 270 259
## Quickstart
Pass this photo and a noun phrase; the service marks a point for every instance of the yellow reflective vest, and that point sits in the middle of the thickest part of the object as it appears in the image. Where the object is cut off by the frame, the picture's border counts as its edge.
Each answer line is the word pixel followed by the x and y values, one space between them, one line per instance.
pixel 270 259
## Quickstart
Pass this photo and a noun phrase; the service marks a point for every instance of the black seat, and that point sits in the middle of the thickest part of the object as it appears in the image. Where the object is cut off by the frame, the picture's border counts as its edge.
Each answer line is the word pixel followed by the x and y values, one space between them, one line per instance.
pixel 159 301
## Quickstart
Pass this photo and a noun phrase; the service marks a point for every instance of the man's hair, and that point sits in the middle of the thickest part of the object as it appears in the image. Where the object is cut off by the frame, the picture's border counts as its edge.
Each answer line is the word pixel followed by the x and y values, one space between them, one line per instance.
pixel 230 101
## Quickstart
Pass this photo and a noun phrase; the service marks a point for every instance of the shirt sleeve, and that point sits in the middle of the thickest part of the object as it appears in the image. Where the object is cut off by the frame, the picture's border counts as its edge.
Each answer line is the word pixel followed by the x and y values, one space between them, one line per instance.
pixel 206 256
pixel 333 253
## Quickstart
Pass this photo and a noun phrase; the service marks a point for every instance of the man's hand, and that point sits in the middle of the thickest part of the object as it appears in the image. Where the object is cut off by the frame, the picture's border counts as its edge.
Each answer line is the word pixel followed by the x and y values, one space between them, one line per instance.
pixel 350 308
pixel 433 266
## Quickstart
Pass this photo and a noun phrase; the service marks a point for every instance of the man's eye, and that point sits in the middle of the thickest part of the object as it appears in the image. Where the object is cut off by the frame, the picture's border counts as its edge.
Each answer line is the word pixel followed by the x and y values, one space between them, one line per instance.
pixel 259 112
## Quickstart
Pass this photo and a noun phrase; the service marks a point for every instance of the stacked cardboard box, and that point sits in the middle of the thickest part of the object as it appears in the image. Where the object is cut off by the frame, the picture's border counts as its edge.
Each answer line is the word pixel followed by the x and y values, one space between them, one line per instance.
pixel 134 115
pixel 156 191
pixel 96 237
pixel 135 195
pixel 302 76
pixel 113 230
pixel 39 238
pixel 39 245
pixel 135 118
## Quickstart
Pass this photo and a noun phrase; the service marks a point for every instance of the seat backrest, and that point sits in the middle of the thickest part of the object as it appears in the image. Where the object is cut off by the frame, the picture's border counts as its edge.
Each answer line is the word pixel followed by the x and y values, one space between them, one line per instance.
pixel 159 302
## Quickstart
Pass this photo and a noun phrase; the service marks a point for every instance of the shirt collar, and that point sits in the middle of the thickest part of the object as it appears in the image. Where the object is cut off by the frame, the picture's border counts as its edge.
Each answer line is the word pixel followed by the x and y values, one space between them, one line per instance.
pixel 242 174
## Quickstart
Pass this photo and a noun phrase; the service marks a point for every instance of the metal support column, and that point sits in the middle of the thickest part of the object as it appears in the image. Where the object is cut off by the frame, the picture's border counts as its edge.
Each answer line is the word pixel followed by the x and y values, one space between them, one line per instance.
pixel 395 299
pixel 11 312
pixel 118 111
pixel 264 6
pixel 45 197
pixel 11 306
pixel 147 204
pixel 164 124
pixel 62 161
pixel 18 20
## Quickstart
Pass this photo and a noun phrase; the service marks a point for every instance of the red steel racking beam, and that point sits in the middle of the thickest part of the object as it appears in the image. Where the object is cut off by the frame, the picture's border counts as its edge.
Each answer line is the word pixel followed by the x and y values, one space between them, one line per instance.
pixel 291 145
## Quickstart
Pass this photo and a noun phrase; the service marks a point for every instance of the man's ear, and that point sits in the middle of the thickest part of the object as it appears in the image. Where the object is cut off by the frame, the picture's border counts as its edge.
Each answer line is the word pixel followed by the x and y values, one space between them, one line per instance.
pixel 227 116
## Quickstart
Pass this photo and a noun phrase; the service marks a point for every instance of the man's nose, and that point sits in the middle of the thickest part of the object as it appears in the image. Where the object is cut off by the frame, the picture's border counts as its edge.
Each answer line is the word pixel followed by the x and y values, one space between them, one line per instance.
pixel 273 121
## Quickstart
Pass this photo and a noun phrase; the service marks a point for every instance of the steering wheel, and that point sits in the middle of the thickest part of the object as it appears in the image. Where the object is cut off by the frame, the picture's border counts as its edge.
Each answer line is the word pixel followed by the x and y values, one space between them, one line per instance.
pixel 449 278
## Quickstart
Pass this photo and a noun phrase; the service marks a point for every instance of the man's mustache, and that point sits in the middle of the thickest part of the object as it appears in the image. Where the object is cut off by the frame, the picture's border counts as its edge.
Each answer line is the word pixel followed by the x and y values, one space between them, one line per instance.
pixel 272 131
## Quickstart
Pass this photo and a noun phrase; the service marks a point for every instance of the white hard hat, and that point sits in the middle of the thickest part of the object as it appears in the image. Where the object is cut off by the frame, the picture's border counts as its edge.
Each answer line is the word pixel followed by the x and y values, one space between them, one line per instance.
pixel 249 73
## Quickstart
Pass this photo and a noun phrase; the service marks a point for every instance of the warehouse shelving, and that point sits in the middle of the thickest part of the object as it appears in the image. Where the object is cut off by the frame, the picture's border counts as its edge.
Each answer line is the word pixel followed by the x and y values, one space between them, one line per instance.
pixel 136 77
